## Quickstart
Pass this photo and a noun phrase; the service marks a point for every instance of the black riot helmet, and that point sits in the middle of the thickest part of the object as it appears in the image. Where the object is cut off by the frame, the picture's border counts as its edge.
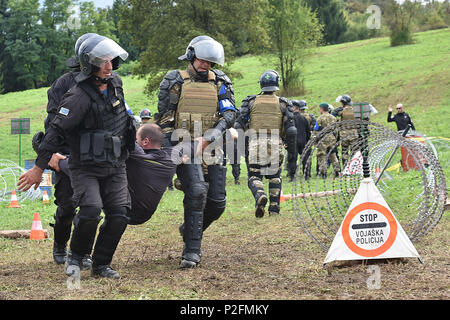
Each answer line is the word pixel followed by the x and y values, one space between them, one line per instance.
pixel 73 62
pixel 94 52
pixel 345 99
pixel 301 104
pixel 269 81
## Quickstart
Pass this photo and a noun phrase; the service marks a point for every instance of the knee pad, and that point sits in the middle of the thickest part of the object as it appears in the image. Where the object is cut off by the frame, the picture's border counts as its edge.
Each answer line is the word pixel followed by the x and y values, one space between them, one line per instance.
pixel 64 216
pixel 275 181
pixel 196 196
pixel 85 227
pixel 115 221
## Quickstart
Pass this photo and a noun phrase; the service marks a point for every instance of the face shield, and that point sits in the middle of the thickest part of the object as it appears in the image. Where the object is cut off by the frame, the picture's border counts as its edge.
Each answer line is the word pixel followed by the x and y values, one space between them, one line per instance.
pixel 103 51
pixel 206 48
pixel 210 50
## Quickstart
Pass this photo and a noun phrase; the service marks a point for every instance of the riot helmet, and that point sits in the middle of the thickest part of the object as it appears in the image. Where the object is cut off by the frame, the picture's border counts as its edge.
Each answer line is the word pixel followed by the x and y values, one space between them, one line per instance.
pixel 204 48
pixel 300 104
pixel 73 62
pixel 94 52
pixel 269 81
pixel 145 114
pixel 345 99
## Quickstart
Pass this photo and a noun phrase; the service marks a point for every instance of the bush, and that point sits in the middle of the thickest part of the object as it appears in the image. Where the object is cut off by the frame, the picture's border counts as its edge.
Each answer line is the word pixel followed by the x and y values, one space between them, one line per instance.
pixel 127 68
pixel 401 37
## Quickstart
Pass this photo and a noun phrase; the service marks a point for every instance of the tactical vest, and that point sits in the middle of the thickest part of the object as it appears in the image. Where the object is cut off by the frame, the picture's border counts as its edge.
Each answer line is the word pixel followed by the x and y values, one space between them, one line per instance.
pixel 266 113
pixel 104 143
pixel 347 113
pixel 307 117
pixel 198 105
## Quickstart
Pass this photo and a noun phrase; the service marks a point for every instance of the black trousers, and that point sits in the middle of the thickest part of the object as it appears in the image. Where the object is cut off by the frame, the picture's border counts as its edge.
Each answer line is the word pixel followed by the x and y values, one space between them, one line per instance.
pixel 66 208
pixel 204 201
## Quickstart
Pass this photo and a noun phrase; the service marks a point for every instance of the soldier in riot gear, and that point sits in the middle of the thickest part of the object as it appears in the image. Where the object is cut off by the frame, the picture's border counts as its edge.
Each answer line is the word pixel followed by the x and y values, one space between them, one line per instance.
pixel 271 125
pixel 65 211
pixel 93 120
pixel 347 136
pixel 198 102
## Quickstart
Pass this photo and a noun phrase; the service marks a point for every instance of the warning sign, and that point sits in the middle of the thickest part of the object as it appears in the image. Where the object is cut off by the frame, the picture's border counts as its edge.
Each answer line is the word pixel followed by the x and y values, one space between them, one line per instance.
pixel 370 230
pixel 354 166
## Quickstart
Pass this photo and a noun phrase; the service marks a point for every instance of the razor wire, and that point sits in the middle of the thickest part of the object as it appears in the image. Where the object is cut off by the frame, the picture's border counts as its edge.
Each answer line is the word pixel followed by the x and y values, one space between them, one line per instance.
pixel 413 183
pixel 9 176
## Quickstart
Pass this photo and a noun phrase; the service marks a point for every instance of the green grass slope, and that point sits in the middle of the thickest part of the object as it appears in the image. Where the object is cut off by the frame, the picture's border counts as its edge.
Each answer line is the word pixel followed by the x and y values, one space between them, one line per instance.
pixel 416 75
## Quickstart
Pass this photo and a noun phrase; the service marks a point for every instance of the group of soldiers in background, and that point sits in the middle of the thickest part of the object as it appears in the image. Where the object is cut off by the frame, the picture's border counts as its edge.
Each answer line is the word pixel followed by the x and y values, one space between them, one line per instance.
pixel 197 102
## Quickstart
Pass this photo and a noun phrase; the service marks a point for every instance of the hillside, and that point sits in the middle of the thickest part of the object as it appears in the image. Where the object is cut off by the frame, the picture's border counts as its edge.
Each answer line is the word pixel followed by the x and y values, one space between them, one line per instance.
pixel 417 75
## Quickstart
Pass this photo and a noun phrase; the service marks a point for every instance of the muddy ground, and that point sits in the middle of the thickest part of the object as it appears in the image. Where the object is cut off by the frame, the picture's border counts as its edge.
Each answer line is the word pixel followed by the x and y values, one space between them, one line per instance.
pixel 243 258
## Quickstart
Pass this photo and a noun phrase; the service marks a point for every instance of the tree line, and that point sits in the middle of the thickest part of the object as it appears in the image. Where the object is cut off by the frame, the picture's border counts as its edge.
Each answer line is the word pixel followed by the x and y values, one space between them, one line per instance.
pixel 35 40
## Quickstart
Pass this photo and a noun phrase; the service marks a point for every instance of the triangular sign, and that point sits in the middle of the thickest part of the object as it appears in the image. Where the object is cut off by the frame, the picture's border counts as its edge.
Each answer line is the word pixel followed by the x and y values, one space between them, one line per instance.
pixel 354 166
pixel 370 230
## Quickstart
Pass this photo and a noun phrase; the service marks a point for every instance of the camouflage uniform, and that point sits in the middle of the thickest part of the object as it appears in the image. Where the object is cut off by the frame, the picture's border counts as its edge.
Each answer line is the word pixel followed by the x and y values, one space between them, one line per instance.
pixel 348 137
pixel 326 146
pixel 264 156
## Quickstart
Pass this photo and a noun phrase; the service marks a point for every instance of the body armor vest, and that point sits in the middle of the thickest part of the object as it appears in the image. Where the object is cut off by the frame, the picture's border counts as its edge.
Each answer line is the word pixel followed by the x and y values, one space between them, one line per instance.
pixel 347 113
pixel 197 106
pixel 307 117
pixel 266 113
pixel 104 142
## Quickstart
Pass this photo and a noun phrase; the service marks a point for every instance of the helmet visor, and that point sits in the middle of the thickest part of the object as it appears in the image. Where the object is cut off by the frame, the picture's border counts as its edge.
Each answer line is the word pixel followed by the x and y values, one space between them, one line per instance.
pixel 105 51
pixel 210 50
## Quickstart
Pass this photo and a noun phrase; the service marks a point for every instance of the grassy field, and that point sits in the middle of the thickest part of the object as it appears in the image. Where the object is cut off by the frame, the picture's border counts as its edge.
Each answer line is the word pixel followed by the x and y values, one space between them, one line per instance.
pixel 244 257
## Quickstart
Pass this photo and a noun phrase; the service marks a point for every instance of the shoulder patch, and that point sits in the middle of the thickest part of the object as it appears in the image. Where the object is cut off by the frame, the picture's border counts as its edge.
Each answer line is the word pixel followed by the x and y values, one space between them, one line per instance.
pixel 64 111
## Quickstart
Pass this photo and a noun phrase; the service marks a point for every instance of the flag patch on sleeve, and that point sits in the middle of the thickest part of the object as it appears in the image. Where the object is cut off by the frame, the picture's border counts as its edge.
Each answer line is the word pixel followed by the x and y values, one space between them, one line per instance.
pixel 64 111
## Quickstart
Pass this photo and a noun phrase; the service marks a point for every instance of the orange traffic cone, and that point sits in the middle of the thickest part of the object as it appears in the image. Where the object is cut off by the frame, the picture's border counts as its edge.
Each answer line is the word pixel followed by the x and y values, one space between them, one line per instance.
pixel 45 199
pixel 37 233
pixel 14 203
pixel 283 197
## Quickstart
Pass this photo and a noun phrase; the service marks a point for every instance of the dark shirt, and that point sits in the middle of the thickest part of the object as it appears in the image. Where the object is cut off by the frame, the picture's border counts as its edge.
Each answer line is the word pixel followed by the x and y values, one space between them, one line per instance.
pixel 75 115
pixel 401 120
pixel 55 95
pixel 149 173
pixel 303 129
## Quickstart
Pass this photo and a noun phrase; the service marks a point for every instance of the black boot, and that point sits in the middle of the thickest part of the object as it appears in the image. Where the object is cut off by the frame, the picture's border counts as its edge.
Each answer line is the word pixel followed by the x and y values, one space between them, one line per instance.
pixel 190 260
pixel 59 253
pixel 105 271
pixel 73 263
pixel 86 262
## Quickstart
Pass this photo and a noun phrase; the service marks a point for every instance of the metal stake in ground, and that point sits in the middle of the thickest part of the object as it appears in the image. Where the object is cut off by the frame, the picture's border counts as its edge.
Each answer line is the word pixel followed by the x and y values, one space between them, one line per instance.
pixel 361 111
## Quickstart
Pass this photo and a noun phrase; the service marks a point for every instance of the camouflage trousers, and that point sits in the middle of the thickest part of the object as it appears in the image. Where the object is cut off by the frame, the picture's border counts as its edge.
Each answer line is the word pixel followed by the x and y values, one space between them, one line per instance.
pixel 256 186
pixel 348 138
pixel 325 151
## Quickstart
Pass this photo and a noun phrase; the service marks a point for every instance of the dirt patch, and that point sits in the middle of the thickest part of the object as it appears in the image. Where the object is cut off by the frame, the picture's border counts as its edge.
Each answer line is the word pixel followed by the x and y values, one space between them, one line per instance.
pixel 274 260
